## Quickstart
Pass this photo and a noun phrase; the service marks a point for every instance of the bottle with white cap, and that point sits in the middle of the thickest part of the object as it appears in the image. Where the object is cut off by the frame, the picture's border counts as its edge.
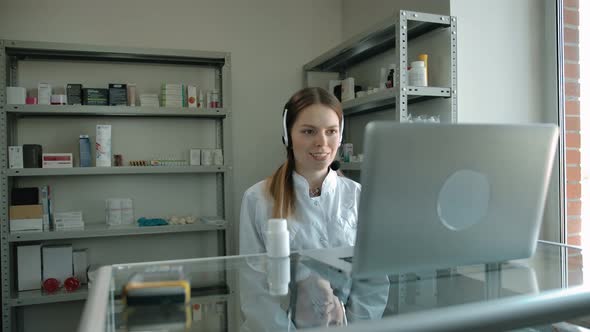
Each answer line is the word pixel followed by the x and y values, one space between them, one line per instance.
pixel 277 238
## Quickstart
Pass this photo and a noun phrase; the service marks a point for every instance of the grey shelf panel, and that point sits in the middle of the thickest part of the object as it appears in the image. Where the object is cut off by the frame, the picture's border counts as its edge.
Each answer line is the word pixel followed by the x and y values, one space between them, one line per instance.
pixel 39 297
pixel 103 230
pixel 350 166
pixel 124 111
pixel 385 99
pixel 26 50
pixel 122 170
pixel 373 41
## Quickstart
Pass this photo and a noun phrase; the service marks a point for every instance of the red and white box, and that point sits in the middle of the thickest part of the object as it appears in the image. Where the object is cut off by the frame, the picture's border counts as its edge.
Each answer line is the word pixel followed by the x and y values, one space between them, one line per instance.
pixel 192 96
pixel 58 160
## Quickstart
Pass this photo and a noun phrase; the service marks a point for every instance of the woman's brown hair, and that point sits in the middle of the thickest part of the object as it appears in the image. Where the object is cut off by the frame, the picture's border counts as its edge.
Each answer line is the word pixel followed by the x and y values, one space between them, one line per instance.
pixel 280 184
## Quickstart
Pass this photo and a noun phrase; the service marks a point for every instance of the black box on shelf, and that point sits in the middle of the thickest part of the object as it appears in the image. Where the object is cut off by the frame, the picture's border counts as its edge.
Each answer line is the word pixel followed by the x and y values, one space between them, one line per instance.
pixel 74 94
pixel 24 196
pixel 32 154
pixel 92 96
pixel 117 94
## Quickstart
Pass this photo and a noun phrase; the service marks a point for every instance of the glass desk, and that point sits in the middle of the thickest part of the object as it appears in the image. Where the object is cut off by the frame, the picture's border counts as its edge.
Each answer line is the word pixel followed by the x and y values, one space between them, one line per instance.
pixel 256 293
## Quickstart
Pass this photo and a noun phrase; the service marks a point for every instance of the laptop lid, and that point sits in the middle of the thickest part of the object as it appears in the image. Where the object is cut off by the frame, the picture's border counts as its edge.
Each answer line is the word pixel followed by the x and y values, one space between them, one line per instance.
pixel 442 195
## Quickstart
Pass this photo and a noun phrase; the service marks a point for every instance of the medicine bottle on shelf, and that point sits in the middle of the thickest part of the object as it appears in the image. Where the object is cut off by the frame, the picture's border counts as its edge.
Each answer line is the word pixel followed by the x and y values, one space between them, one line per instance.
pixel 417 74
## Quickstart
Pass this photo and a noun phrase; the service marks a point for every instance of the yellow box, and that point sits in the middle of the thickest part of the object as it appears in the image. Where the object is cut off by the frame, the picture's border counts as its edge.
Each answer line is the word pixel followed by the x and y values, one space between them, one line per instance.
pixel 26 212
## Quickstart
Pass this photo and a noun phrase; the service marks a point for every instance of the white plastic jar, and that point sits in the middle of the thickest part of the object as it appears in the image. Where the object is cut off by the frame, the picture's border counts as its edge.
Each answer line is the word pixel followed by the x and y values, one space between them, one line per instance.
pixel 417 74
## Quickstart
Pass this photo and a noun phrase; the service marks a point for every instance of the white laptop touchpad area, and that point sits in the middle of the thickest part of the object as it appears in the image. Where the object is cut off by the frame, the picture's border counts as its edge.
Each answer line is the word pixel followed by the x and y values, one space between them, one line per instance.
pixel 463 200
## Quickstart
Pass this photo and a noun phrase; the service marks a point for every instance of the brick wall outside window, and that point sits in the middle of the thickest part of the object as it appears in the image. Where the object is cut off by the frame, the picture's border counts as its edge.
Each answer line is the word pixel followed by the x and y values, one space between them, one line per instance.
pixel 572 121
pixel 573 138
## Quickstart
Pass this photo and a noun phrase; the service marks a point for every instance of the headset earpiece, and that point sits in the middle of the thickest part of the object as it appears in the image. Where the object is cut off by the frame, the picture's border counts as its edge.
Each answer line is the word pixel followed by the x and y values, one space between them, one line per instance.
pixel 285 133
pixel 341 128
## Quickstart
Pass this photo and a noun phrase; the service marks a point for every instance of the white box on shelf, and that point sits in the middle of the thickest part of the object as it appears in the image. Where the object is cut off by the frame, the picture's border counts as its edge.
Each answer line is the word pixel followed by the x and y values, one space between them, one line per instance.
pixel 71 215
pixel 44 94
pixel 103 145
pixel 218 157
pixel 80 258
pixel 15 156
pixel 119 211
pixel 192 96
pixel 348 89
pixel 57 262
pixel 16 95
pixel 195 157
pixel 29 267
pixel 26 225
pixel 68 220
pixel 58 160
pixel 207 157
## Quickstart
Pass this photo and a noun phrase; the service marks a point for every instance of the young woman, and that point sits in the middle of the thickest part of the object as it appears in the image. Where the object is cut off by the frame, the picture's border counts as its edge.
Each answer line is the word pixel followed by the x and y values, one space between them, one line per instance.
pixel 320 206
pixel 321 211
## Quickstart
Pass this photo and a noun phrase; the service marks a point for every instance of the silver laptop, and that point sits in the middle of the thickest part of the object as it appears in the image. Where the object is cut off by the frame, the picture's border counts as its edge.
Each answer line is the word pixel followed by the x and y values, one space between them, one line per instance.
pixel 442 195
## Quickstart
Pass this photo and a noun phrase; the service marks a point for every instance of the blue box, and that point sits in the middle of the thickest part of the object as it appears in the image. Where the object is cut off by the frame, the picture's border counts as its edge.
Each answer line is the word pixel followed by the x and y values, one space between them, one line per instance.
pixel 85 156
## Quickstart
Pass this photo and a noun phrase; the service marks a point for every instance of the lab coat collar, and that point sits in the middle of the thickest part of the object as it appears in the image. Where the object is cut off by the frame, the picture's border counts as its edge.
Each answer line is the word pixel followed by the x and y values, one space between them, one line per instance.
pixel 300 183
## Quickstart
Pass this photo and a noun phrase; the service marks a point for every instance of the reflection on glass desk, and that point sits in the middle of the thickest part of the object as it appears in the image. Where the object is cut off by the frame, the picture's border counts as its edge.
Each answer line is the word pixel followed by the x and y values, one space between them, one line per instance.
pixel 256 293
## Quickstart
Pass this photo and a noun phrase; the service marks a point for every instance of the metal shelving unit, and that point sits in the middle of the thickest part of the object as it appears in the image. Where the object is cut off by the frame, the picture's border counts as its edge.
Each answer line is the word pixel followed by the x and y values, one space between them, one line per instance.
pixel 386 99
pixel 93 230
pixel 122 170
pixel 392 35
pixel 11 53
pixel 38 297
pixel 350 166
pixel 89 110
pixel 33 297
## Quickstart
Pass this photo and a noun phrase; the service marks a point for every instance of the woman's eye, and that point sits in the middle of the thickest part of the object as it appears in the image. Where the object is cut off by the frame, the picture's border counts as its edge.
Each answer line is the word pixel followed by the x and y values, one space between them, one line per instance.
pixel 332 131
pixel 307 131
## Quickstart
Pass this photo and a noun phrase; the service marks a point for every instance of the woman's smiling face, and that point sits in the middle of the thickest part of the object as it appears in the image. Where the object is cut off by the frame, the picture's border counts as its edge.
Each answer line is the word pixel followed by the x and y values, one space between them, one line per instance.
pixel 316 138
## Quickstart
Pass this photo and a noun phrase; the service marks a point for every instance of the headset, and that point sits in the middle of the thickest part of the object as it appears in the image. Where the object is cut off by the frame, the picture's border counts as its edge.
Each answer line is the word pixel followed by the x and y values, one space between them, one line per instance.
pixel 286 134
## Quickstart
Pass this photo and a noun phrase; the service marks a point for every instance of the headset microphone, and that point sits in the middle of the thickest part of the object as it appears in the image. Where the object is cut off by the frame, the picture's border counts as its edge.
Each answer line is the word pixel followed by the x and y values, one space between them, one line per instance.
pixel 335 165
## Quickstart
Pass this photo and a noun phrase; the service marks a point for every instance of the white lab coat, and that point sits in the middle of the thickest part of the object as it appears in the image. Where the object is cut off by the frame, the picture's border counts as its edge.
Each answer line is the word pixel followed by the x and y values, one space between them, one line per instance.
pixel 326 221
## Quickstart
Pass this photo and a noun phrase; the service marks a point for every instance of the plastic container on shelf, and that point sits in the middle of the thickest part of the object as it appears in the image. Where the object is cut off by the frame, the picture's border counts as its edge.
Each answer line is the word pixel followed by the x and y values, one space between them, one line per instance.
pixel 417 74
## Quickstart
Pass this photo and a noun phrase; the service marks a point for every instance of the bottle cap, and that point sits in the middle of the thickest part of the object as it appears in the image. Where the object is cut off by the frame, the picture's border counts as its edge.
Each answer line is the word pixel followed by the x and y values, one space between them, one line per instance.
pixel 277 225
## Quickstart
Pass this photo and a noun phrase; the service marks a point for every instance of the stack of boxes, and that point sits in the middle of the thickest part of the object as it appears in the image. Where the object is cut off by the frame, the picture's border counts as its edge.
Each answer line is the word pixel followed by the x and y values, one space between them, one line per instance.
pixel 173 95
pixel 68 220
pixel 37 263
pixel 26 214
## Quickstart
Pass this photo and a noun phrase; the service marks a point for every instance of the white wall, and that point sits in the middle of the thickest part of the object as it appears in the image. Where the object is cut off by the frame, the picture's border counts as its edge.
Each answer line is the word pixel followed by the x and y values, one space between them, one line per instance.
pixel 358 16
pixel 500 46
pixel 269 42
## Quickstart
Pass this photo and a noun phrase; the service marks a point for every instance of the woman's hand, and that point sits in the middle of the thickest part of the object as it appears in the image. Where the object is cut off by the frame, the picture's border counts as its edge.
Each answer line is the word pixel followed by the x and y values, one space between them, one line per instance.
pixel 316 304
